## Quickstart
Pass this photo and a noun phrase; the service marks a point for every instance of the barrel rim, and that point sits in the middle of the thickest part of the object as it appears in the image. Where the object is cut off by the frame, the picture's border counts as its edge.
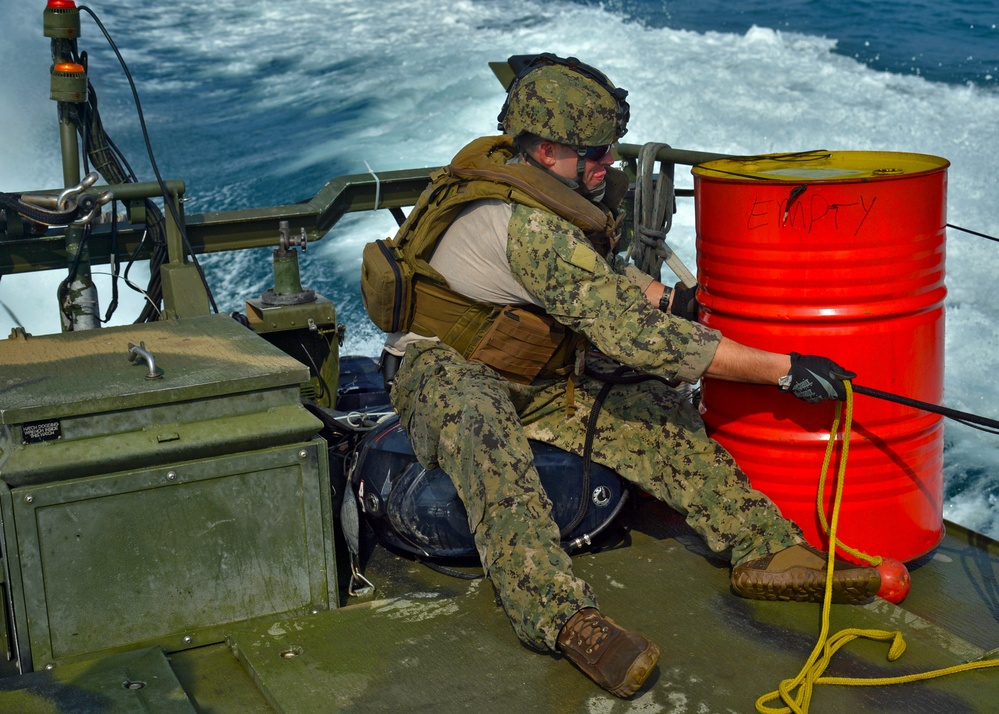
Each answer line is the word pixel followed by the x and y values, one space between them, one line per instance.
pixel 711 171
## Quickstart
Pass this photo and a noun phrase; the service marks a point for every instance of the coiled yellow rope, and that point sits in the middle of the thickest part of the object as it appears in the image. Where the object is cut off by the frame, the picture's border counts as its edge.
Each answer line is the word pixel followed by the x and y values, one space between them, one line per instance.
pixel 826 646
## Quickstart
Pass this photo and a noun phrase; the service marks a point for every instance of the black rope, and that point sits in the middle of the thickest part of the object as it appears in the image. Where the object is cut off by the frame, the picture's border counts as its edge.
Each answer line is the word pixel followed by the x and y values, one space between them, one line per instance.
pixel 972 420
pixel 15 202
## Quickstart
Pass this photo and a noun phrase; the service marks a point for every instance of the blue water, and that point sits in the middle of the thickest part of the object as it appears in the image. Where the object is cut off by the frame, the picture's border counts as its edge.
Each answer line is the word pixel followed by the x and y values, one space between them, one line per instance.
pixel 257 103
pixel 954 42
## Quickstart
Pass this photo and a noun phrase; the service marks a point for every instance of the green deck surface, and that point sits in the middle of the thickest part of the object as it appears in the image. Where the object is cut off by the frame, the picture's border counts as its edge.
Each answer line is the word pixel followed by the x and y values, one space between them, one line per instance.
pixel 446 646
pixel 434 643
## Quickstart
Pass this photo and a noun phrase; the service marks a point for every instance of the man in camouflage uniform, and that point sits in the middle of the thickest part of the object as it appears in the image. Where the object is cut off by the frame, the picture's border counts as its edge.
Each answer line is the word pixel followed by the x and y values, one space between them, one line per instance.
pixel 474 423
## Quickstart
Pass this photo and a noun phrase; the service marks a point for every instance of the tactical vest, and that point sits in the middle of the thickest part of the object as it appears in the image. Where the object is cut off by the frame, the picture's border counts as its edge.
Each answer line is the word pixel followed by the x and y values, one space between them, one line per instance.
pixel 402 292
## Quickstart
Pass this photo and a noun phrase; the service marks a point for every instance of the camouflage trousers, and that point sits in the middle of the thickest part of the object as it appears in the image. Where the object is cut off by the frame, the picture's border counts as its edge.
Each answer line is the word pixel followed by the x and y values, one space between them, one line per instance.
pixel 476 425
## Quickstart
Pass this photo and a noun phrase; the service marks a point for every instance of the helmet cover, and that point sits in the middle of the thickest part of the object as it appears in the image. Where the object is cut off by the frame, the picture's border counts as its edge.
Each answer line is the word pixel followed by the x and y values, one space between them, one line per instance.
pixel 565 101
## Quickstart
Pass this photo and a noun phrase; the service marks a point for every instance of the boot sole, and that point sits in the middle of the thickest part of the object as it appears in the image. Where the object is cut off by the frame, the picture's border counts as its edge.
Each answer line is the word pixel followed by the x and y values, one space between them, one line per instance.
pixel 804 585
pixel 639 671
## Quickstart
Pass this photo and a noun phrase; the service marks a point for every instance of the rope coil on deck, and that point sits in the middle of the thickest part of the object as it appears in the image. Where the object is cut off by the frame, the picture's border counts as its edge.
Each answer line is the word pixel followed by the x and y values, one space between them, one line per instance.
pixel 811 673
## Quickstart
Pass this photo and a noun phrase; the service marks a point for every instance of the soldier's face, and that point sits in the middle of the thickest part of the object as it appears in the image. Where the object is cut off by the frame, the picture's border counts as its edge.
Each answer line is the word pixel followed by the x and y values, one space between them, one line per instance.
pixel 596 170
pixel 564 164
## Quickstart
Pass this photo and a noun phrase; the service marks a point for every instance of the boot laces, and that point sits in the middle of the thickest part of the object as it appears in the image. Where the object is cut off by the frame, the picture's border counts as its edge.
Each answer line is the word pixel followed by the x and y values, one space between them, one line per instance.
pixel 590 633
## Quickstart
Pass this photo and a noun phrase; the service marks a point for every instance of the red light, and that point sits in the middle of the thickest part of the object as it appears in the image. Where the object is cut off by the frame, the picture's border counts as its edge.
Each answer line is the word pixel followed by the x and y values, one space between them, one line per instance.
pixel 61 4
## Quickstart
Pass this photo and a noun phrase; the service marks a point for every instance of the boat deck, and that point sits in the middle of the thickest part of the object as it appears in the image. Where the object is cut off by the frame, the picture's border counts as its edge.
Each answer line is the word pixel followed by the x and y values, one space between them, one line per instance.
pixel 430 642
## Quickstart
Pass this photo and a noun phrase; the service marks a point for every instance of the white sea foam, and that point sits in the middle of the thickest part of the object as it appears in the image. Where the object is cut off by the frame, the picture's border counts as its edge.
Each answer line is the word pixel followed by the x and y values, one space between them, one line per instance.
pixel 405 84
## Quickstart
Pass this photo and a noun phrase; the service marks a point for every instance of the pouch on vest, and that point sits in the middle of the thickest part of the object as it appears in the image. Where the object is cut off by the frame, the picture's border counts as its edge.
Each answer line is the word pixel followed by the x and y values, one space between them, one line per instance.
pixel 519 344
pixel 386 286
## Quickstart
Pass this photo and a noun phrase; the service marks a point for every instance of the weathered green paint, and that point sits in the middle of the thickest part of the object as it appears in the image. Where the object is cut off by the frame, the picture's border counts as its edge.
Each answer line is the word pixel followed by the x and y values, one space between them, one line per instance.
pixel 141 511
pixel 228 230
pixel 309 332
pixel 287 279
pixel 53 376
pixel 280 318
pixel 158 443
pixel 68 87
pixel 139 681
pixel 170 554
pixel 61 23
pixel 216 682
pixel 432 643
pixel 183 291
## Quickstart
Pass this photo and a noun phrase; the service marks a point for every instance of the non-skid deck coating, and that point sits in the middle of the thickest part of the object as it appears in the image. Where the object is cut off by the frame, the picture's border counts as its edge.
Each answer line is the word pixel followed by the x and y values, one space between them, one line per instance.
pixel 434 643
pixel 452 650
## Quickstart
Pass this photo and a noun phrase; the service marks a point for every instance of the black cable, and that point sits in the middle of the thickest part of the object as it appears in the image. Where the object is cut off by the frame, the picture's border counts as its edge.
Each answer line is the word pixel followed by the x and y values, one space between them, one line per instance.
pixel 991 425
pixel 152 159
pixel 114 263
pixel 974 233
pixel 110 162
pixel 621 375
pixel 444 570
pixel 591 425
pixel 77 258
pixel 792 156
pixel 588 538
pixel 83 115
pixel 323 388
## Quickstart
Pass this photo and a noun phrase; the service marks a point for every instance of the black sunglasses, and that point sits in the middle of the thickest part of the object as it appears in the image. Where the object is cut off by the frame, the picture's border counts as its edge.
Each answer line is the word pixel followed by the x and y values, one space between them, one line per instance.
pixel 595 153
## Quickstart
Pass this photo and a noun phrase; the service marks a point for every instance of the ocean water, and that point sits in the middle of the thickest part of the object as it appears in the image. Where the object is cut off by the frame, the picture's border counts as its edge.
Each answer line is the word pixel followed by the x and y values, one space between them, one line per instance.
pixel 259 103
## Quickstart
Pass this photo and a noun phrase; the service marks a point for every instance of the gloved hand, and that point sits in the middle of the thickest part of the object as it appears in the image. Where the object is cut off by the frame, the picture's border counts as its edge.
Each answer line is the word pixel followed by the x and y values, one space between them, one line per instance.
pixel 684 302
pixel 815 379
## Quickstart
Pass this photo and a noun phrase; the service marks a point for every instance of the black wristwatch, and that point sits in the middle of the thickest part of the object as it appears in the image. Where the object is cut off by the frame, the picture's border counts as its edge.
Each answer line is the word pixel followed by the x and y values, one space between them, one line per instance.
pixel 664 300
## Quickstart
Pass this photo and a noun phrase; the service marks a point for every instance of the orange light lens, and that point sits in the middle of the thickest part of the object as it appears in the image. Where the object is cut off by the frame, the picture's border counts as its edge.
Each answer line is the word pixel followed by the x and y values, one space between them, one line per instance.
pixel 68 67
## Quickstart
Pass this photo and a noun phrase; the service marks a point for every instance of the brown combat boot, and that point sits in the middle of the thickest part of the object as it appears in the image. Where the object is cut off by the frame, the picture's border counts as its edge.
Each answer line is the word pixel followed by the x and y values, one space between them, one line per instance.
pixel 617 660
pixel 798 574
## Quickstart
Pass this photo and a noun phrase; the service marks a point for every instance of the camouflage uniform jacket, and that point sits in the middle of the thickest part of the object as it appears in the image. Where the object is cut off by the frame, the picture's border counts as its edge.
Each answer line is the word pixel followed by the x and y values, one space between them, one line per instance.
pixel 584 292
pixel 551 264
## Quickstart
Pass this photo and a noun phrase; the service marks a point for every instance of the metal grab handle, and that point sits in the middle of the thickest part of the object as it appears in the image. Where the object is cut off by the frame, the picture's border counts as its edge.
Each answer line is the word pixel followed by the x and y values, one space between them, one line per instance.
pixel 139 352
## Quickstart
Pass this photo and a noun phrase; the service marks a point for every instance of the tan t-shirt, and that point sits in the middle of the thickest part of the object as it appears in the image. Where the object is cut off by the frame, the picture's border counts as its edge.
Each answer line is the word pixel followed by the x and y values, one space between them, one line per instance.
pixel 471 256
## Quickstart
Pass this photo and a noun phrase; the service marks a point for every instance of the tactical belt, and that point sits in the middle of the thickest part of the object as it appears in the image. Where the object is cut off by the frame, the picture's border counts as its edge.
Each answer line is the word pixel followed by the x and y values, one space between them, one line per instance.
pixel 520 343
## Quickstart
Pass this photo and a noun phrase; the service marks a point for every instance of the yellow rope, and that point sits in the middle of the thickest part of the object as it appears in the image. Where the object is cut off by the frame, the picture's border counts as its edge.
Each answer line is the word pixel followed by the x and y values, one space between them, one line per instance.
pixel 874 560
pixel 826 646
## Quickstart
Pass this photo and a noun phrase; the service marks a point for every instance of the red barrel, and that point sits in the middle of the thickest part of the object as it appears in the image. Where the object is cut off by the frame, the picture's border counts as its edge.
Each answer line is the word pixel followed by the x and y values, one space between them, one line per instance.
pixel 839 254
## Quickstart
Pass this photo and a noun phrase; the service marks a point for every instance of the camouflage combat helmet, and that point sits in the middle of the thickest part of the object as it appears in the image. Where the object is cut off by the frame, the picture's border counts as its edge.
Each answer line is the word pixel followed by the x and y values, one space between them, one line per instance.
pixel 566 101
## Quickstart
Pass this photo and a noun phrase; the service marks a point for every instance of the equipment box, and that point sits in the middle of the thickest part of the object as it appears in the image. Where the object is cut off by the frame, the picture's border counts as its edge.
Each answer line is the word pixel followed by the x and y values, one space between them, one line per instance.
pixel 157 483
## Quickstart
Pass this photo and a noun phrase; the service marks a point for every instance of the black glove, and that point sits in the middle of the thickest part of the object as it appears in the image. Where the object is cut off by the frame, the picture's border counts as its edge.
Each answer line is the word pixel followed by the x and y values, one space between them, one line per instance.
pixel 684 302
pixel 815 379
